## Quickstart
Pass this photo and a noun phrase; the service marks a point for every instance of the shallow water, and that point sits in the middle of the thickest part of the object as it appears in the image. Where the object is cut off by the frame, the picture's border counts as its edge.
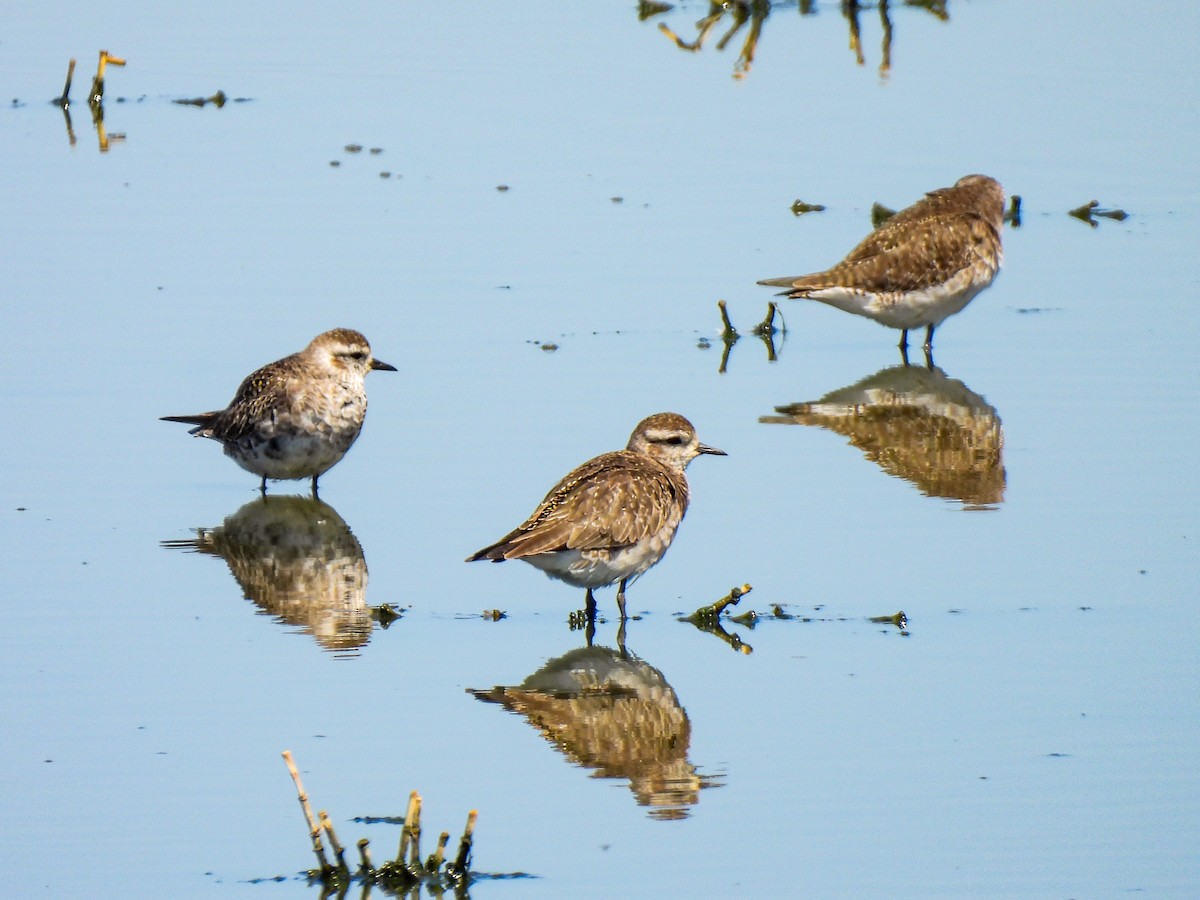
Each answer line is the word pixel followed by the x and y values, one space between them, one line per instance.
pixel 1032 733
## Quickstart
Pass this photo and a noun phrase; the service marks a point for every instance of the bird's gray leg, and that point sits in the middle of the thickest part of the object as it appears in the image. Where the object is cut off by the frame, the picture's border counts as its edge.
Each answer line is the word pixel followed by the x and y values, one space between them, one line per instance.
pixel 904 354
pixel 621 599
pixel 929 358
pixel 314 487
pixel 262 488
pixel 929 338
pixel 903 338
pixel 590 606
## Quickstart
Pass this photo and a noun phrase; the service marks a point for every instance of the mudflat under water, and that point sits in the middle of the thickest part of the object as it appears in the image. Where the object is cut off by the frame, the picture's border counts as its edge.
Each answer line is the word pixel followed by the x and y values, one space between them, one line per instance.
pixel 1028 501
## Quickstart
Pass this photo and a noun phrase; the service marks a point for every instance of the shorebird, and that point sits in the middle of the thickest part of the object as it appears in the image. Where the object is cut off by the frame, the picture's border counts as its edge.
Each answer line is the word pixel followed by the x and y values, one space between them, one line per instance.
pixel 922 265
pixel 613 517
pixel 296 417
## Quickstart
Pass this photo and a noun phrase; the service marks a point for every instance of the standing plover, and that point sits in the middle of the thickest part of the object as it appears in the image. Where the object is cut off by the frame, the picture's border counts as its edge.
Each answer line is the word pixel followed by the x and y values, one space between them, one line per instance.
pixel 296 417
pixel 922 265
pixel 613 517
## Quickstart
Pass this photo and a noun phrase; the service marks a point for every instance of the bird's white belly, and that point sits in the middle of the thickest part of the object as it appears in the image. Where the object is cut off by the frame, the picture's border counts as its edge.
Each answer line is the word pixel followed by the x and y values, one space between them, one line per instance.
pixel 600 568
pixel 910 309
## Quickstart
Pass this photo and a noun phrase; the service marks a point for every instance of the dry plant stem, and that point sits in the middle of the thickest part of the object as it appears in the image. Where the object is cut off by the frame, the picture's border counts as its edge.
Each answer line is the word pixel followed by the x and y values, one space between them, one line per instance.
pixel 65 100
pixel 338 850
pixel 464 846
pixel 435 861
pixel 415 831
pixel 364 855
pixel 766 327
pixel 412 816
pixel 734 595
pixel 314 829
pixel 106 59
pixel 729 331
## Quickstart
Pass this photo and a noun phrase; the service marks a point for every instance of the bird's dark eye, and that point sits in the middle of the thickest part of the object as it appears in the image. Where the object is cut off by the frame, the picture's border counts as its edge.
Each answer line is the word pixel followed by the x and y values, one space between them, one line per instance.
pixel 358 354
pixel 675 439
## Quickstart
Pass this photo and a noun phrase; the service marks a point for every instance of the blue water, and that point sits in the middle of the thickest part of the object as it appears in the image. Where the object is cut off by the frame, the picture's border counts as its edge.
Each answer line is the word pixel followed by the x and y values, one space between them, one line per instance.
pixel 1033 733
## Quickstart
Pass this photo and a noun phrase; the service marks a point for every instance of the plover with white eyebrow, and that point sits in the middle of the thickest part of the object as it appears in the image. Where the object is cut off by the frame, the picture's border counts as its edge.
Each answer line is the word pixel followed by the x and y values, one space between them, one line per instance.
pixel 296 417
pixel 613 517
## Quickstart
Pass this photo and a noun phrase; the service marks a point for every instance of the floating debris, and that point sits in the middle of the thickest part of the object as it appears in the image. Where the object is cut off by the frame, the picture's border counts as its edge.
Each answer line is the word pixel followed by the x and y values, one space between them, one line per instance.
pixel 385 614
pixel 880 214
pixel 502 188
pixel 617 199
pixel 376 150
pixel 749 618
pixel 899 619
pixel 799 208
pixel 649 8
pixel 494 615
pixel 1089 211
pixel 353 148
pixel 219 99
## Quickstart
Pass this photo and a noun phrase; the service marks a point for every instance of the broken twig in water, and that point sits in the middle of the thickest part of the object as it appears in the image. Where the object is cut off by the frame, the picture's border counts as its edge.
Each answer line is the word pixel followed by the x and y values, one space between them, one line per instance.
pixel 766 327
pixel 412 824
pixel 96 97
pixel 764 330
pixel 730 599
pixel 708 619
pixel 728 332
pixel 459 868
pixel 338 850
pixel 65 100
pixel 314 830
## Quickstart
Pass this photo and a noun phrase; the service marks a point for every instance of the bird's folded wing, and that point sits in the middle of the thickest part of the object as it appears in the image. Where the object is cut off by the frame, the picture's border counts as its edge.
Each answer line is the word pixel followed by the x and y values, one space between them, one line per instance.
pixel 599 507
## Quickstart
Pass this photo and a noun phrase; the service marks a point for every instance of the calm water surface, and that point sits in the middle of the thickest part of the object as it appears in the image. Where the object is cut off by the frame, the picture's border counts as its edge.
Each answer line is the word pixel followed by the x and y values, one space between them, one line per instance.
pixel 1029 502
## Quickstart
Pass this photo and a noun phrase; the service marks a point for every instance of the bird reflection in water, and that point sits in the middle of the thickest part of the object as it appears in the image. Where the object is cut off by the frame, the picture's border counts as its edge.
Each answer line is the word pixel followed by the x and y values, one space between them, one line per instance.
pixel 609 711
pixel 917 424
pixel 296 559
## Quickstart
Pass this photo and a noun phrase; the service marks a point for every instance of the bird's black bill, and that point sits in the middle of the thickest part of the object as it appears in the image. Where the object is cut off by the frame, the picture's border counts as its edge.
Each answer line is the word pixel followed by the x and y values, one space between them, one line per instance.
pixel 382 366
pixel 712 451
